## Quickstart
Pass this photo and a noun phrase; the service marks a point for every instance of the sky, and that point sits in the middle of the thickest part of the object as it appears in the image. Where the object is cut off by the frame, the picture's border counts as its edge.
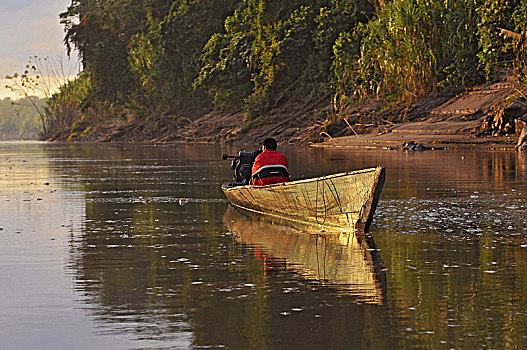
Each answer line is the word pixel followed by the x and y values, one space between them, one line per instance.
pixel 31 28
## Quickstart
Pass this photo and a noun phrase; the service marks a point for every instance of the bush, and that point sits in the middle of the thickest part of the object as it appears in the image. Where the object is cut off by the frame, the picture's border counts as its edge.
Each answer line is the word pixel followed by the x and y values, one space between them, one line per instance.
pixel 408 50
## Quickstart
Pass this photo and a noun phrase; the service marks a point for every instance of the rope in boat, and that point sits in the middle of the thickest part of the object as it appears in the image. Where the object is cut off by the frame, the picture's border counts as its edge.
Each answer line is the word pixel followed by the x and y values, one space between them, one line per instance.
pixel 363 195
pixel 335 195
pixel 316 203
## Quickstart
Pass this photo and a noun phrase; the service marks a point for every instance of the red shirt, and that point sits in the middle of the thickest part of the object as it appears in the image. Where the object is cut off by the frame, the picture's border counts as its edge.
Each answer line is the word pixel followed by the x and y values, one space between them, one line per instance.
pixel 266 158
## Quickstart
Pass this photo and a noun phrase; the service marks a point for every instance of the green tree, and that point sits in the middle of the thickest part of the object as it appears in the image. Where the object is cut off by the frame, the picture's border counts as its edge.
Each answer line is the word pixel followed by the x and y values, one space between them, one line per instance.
pixel 273 52
pixel 100 31
pixel 165 57
pixel 181 57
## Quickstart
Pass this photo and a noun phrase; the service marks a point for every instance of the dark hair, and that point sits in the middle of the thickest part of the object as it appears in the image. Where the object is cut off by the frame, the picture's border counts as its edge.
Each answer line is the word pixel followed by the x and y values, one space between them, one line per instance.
pixel 270 143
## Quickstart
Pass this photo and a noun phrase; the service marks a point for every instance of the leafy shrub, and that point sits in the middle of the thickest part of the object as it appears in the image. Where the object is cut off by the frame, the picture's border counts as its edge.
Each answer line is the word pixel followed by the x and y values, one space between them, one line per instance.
pixel 409 49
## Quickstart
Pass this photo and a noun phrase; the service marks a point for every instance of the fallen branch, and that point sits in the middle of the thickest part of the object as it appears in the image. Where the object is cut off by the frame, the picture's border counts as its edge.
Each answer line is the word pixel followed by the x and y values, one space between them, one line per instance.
pixel 510 33
pixel 350 127
pixel 328 135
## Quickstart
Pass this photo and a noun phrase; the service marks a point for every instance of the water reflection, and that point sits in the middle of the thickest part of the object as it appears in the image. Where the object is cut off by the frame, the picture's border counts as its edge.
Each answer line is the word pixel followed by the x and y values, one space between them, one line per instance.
pixel 155 272
pixel 450 227
pixel 96 245
pixel 138 247
pixel 344 260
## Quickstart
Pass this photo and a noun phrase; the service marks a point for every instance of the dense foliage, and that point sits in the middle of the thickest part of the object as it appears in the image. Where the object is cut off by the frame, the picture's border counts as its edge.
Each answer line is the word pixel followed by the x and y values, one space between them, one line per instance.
pixel 273 51
pixel 409 49
pixel 502 31
pixel 186 57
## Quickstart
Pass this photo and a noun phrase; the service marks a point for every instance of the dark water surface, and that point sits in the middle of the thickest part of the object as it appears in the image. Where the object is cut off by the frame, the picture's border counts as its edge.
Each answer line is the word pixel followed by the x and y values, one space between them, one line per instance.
pixel 96 252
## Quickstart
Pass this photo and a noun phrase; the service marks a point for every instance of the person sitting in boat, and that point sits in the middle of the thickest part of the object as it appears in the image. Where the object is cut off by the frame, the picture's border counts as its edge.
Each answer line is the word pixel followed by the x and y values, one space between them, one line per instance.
pixel 270 166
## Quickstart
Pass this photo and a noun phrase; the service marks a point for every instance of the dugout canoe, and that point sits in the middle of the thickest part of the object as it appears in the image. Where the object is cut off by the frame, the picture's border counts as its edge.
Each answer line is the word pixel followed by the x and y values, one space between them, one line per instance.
pixel 342 260
pixel 345 200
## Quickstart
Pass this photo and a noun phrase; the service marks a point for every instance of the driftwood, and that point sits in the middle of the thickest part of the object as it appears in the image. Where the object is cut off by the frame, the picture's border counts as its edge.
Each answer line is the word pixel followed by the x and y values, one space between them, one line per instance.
pixel 510 33
pixel 504 119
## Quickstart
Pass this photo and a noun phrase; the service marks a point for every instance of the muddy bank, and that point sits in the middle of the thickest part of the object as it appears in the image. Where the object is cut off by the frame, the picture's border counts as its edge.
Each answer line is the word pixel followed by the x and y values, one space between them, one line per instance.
pixel 480 117
pixel 295 124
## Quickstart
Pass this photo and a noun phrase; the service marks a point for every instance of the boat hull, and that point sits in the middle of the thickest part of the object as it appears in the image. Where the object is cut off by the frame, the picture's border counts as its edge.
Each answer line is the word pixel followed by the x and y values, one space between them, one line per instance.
pixel 345 200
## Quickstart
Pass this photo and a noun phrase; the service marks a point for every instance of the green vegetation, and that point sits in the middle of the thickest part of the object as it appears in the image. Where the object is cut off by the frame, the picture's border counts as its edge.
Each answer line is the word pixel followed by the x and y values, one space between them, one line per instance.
pixel 408 50
pixel 272 52
pixel 185 58
pixel 502 30
pixel 19 120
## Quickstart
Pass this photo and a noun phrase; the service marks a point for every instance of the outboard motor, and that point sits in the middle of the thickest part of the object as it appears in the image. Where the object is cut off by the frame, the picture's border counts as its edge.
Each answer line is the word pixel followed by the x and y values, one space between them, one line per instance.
pixel 242 165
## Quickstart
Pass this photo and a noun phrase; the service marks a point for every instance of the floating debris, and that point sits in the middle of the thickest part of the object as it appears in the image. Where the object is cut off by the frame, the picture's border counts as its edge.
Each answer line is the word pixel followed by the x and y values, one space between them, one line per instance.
pixel 413 146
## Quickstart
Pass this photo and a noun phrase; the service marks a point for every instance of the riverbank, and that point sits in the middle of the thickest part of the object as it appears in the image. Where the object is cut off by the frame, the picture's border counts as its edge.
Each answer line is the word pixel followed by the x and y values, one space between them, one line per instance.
pixel 473 118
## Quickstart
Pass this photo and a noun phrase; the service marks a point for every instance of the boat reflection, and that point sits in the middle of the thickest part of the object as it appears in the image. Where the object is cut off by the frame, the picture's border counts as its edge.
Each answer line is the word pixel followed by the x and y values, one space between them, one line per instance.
pixel 344 260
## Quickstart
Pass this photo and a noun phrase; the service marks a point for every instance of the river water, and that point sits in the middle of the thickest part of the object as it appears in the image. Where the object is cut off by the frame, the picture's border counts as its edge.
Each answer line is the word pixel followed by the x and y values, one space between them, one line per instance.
pixel 109 246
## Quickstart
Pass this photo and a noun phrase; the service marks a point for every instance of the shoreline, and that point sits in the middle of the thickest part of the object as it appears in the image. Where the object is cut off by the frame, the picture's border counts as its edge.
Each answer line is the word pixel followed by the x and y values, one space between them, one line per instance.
pixel 436 122
pixel 227 130
pixel 387 141
pixel 428 142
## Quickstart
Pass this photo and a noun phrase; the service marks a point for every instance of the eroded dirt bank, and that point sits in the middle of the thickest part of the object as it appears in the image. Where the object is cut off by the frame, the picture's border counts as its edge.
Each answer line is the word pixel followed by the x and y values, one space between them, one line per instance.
pixel 485 116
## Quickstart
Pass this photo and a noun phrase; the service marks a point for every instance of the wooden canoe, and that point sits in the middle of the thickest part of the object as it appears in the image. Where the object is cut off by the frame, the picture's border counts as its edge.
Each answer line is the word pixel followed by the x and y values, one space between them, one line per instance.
pixel 345 200
pixel 343 260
